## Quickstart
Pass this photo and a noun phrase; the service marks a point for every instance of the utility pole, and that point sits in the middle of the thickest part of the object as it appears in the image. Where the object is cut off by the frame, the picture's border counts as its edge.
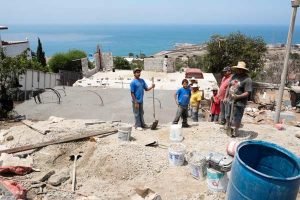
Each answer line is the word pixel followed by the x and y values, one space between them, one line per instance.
pixel 295 5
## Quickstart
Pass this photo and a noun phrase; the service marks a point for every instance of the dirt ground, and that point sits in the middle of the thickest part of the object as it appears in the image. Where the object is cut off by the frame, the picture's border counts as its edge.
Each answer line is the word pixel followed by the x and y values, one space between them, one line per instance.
pixel 113 169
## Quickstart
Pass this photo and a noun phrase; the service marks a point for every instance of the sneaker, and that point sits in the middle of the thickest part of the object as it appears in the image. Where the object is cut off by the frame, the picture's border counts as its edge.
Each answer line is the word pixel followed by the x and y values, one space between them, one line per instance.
pixel 139 128
pixel 222 122
pixel 185 126
pixel 145 126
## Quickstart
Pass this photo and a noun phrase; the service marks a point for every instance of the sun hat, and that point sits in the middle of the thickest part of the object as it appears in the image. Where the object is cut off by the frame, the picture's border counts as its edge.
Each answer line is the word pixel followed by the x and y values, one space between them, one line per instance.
pixel 195 85
pixel 240 65
pixel 136 69
pixel 193 79
pixel 226 69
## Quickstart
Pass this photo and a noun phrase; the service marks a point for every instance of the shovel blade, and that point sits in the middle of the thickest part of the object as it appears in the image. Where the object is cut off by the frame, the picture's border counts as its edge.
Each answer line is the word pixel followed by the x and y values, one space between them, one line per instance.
pixel 154 125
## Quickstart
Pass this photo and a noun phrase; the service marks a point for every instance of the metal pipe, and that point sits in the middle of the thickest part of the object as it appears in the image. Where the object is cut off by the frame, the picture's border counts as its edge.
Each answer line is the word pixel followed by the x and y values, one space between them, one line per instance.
pixel 295 5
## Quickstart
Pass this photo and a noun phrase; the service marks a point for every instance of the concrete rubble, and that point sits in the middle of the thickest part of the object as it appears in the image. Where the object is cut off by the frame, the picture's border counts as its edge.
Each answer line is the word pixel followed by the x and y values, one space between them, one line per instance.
pixel 113 169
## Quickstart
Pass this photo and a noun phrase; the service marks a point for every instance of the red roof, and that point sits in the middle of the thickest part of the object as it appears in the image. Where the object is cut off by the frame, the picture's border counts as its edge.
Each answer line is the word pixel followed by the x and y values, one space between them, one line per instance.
pixel 193 72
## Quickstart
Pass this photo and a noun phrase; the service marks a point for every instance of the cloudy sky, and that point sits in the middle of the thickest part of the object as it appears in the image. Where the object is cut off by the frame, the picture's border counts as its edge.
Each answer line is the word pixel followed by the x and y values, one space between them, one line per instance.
pixel 145 12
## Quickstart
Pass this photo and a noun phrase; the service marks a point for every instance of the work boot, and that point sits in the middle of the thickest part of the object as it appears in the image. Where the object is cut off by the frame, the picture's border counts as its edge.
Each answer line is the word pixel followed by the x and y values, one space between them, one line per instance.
pixel 234 132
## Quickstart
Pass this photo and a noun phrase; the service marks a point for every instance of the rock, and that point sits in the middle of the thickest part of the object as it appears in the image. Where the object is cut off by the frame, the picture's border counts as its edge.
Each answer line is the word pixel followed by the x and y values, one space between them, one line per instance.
pixel 54 119
pixel 10 138
pixel 43 176
pixel 59 178
pixel 10 160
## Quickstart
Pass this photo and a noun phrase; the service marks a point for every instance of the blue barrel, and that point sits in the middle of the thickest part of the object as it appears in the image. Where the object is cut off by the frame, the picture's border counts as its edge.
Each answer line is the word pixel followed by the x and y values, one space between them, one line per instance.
pixel 263 171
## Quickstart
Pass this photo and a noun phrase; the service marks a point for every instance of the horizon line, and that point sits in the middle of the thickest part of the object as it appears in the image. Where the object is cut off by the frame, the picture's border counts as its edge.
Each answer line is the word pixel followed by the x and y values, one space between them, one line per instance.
pixel 140 24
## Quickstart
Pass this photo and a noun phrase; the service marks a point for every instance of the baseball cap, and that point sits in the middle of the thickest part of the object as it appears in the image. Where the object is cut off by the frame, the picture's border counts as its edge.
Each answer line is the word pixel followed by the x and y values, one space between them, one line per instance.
pixel 226 69
pixel 136 69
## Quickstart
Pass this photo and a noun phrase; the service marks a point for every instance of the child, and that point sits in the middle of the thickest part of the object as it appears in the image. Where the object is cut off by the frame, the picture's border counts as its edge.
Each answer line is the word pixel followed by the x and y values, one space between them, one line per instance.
pixel 195 101
pixel 215 106
pixel 182 99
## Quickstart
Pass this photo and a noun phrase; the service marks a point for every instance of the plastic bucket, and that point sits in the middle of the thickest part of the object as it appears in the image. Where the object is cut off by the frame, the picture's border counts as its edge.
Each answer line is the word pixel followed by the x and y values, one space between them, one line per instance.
pixel 124 133
pixel 263 170
pixel 176 154
pixel 231 147
pixel 176 133
pixel 216 181
pixel 197 164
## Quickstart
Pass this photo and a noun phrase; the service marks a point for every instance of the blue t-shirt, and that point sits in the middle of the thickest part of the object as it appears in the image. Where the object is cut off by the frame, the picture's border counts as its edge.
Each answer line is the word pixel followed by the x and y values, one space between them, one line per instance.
pixel 183 96
pixel 137 87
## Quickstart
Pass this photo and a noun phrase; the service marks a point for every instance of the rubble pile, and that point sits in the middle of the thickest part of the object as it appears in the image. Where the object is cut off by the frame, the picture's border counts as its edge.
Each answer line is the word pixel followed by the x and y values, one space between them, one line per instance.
pixel 109 168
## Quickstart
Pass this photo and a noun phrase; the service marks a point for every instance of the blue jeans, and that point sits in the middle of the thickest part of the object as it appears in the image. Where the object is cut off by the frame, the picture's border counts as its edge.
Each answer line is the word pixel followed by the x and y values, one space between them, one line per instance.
pixel 138 115
pixel 182 111
pixel 195 114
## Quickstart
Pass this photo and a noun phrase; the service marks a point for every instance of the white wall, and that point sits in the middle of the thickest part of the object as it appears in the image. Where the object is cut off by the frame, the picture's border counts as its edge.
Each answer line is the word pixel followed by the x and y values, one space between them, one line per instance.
pixel 13 50
pixel 32 80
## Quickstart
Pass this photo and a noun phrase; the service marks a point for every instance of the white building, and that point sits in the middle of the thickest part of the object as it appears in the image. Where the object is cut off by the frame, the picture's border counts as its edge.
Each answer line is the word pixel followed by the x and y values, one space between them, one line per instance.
pixel 14 48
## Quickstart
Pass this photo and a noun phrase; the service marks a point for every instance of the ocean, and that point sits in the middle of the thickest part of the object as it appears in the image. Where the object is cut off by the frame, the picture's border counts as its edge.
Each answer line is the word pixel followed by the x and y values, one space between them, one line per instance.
pixel 123 39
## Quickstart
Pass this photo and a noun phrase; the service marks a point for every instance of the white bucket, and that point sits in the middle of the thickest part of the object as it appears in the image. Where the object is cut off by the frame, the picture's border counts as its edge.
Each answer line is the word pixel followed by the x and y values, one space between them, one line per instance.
pixel 176 133
pixel 124 133
pixel 176 154
pixel 216 181
pixel 197 164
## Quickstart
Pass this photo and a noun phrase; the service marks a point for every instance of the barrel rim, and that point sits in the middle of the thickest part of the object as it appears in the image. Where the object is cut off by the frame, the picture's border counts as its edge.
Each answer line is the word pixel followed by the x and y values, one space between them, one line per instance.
pixel 270 145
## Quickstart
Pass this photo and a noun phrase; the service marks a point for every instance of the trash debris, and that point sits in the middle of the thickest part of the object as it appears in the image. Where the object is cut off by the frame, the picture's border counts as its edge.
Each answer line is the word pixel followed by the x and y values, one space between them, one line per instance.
pixel 11 190
pixel 43 176
pixel 18 170
pixel 145 194
pixel 197 163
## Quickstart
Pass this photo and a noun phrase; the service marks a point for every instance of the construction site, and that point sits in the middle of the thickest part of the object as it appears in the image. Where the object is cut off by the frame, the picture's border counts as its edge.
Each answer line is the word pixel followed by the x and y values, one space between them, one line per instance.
pixel 74 137
pixel 89 130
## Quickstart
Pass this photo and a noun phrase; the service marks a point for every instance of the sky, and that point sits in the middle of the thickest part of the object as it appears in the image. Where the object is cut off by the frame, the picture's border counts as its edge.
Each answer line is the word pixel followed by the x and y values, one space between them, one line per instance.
pixel 277 12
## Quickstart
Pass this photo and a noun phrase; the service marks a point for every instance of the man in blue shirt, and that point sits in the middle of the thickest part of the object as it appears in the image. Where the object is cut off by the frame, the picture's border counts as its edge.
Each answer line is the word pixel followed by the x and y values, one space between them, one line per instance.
pixel 137 87
pixel 182 98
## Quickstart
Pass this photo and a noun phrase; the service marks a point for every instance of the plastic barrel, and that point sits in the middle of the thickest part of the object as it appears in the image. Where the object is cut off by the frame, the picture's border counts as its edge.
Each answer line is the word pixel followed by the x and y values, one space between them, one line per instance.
pixel 263 171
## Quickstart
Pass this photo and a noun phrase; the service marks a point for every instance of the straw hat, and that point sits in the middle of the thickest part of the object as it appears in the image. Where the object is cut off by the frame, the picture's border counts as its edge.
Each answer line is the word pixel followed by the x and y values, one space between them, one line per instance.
pixel 195 85
pixel 240 65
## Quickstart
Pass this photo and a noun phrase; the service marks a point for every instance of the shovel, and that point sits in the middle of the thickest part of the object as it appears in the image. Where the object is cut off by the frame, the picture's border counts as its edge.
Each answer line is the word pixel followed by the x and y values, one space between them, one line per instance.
pixel 154 124
pixel 74 158
pixel 229 130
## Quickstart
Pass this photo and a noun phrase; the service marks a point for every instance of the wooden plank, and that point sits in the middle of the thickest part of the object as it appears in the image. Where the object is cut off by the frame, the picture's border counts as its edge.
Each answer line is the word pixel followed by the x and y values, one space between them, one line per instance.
pixel 58 141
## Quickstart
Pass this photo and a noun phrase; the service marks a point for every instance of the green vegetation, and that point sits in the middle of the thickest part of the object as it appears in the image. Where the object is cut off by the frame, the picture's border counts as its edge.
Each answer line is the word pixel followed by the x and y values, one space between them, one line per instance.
pixel 131 55
pixel 12 67
pixel 40 54
pixel 121 63
pixel 67 61
pixel 227 51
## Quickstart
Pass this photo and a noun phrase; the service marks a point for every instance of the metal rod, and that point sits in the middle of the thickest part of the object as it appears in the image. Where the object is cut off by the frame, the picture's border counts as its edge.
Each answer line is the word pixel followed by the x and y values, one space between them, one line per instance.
pixel 285 66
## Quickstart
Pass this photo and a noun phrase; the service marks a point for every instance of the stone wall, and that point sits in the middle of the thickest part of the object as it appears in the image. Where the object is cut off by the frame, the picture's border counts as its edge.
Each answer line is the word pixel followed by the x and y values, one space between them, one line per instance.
pixel 159 64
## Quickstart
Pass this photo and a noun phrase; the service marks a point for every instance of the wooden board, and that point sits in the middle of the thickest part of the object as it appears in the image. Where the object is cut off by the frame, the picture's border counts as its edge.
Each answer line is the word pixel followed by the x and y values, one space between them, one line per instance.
pixel 58 141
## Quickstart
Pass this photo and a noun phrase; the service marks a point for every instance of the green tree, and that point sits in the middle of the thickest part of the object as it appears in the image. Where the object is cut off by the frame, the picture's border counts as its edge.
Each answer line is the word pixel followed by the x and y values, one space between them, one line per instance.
pixel 40 54
pixel 70 61
pixel 121 63
pixel 228 50
pixel 131 55
pixel 142 55
pixel 12 67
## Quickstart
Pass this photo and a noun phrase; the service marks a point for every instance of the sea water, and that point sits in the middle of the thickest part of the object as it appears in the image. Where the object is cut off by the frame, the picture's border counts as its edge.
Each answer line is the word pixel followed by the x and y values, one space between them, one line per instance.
pixel 123 39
